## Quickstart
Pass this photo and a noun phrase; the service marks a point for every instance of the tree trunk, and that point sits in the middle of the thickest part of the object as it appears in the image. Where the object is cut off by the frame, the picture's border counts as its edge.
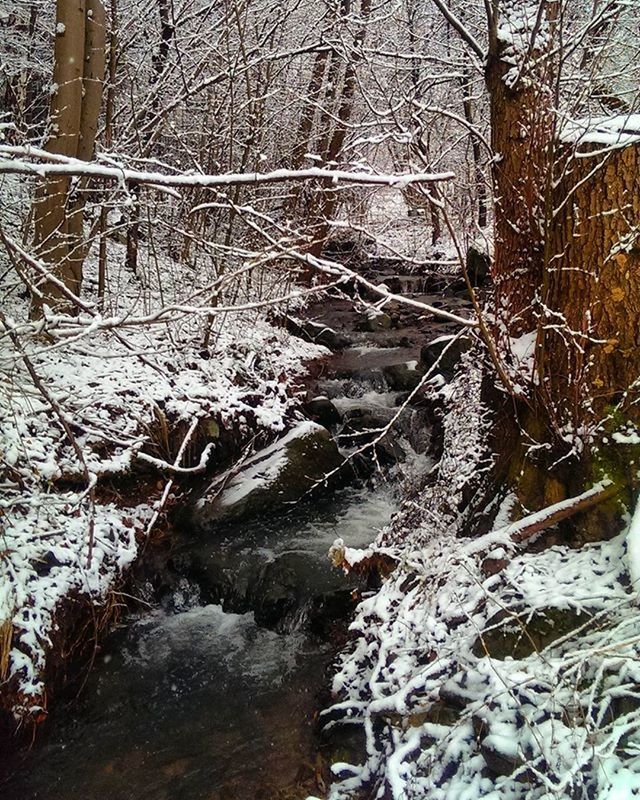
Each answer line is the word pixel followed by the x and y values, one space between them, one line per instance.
pixel 51 233
pixel 92 83
pixel 589 354
pixel 331 149
pixel 75 105
pixel 587 360
pixel 108 139
pixel 159 63
pixel 522 130
pixel 567 265
pixel 481 189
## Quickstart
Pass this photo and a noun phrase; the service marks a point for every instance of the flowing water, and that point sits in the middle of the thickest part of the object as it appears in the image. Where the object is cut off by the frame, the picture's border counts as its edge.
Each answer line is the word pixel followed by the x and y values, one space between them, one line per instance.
pixel 213 693
pixel 193 702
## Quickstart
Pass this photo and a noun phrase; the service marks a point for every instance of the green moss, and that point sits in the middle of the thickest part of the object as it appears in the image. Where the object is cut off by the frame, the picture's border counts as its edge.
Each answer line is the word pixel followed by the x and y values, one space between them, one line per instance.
pixel 617 457
pixel 212 429
pixel 518 636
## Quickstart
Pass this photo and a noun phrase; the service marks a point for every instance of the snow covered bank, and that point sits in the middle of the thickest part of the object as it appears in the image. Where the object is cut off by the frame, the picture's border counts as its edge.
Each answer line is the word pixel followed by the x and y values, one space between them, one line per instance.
pixel 498 673
pixel 82 416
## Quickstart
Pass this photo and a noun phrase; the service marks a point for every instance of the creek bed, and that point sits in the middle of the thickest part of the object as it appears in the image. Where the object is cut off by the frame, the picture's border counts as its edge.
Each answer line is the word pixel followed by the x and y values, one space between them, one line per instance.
pixel 213 694
pixel 196 702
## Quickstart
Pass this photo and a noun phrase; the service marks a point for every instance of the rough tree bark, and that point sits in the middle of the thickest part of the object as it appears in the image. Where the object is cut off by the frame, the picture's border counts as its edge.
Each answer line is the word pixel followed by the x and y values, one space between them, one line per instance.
pixel 567 267
pixel 587 358
pixel 522 128
pixel 589 354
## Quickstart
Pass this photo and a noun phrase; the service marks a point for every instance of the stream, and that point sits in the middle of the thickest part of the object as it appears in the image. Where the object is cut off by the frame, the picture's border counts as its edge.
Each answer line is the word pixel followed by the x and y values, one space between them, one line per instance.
pixel 213 692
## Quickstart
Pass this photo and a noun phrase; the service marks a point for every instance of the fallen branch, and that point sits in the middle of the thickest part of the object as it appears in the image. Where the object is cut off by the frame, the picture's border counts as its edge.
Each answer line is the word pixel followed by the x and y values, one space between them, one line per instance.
pixel 523 529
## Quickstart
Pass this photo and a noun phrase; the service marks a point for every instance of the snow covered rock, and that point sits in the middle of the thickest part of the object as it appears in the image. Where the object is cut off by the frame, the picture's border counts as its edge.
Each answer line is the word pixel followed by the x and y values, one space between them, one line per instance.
pixel 403 377
pixel 317 333
pixel 279 474
pixel 446 351
pixel 375 321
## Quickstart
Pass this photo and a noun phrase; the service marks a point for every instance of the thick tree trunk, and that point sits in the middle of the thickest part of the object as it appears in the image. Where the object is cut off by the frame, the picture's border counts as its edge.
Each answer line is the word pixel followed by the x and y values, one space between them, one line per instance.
pixel 589 353
pixel 522 129
pixel 92 83
pixel 567 266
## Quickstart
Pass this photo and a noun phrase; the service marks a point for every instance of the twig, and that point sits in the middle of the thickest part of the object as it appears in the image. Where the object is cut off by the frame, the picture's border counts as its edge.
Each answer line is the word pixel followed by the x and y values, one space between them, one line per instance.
pixel 57 410
pixel 175 468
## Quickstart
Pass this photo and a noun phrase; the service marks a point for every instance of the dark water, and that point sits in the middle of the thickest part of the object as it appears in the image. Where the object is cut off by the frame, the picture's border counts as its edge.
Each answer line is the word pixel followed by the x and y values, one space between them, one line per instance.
pixel 200 703
pixel 278 566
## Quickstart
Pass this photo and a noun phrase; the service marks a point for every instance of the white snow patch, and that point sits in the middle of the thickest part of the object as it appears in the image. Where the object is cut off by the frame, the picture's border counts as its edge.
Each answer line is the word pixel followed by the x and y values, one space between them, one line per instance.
pixel 619 130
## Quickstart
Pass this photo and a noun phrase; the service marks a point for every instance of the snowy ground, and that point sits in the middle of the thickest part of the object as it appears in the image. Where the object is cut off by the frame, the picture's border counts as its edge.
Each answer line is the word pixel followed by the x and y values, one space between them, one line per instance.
pixel 122 392
pixel 451 713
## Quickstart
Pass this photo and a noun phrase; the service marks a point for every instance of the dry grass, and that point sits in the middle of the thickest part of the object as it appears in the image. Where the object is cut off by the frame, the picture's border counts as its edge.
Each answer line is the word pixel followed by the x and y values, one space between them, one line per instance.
pixel 6 635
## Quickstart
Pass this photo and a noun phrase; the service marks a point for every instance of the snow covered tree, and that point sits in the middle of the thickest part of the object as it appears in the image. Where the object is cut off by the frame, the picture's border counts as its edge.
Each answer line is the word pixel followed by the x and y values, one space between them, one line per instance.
pixel 564 310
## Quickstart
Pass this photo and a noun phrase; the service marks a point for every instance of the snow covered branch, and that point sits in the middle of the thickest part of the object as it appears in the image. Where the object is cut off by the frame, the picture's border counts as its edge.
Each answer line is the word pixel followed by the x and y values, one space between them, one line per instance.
pixel 523 529
pixel 15 160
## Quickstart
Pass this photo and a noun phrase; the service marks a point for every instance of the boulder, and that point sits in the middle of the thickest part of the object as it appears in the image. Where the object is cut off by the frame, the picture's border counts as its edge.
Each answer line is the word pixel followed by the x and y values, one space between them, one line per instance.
pixel 375 321
pixel 346 250
pixel 435 350
pixel 279 474
pixel 362 426
pixel 317 333
pixel 478 266
pixel 292 582
pixel 321 410
pixel 501 755
pixel 403 377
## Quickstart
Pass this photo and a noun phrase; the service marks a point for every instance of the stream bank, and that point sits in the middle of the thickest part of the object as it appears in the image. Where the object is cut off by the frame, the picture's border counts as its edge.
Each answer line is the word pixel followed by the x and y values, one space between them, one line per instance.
pixel 213 692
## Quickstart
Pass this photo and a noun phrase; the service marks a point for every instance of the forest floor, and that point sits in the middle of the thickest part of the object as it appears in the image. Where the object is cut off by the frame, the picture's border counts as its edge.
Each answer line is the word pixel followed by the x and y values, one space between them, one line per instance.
pixel 148 405
pixel 486 666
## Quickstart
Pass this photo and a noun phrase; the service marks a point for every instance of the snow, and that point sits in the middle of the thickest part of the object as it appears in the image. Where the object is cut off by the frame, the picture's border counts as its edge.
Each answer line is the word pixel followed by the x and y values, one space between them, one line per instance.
pixel 523 349
pixel 118 389
pixel 633 549
pixel 616 131
pixel 519 28
pixel 630 436
pixel 554 718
